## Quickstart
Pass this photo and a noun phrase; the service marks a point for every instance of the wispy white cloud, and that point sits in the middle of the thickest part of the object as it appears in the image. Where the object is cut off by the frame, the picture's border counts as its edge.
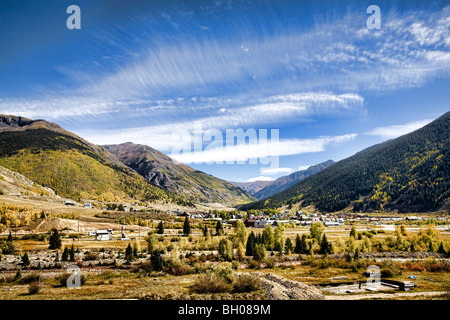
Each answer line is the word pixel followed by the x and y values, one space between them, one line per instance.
pixel 261 150
pixel 260 178
pixel 273 110
pixel 275 171
pixel 394 131
pixel 337 56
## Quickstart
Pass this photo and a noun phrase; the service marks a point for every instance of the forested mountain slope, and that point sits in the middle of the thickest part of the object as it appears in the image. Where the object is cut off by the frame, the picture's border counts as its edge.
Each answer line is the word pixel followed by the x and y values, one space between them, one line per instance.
pixel 410 173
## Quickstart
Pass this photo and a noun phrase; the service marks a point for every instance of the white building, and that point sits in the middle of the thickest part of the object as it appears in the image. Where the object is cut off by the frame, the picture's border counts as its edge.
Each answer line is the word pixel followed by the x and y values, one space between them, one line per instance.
pixel 103 235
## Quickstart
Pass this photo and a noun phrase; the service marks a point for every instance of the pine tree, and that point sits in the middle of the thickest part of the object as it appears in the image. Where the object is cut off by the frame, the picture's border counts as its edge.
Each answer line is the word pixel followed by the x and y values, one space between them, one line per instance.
pixel 18 275
pixel 157 261
pixel 55 240
pixel 356 255
pixel 267 237
pixel 219 228
pixel 25 260
pixel 353 232
pixel 9 247
pixel 259 252
pixel 289 246
pixel 72 254
pixel 129 253
pixel 441 248
pixel 186 227
pixel 251 241
pixel 160 228
pixel 65 254
pixel 298 244
pixel 226 249
pixel 325 247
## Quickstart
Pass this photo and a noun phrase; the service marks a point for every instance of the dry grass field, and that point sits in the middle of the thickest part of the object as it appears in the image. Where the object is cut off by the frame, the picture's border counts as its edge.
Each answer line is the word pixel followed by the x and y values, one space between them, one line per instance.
pixel 121 281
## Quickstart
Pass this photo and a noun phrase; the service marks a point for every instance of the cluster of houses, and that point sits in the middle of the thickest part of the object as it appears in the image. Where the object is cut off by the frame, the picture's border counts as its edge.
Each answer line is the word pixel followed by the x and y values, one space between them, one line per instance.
pixel 300 219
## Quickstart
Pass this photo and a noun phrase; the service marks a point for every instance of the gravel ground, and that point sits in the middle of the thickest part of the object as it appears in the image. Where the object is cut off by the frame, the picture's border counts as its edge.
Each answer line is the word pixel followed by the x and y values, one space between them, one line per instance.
pixel 279 288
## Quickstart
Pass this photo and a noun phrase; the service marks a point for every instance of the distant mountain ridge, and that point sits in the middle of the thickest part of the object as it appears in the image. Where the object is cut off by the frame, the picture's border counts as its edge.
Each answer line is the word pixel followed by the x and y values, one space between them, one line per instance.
pixel 264 189
pixel 161 170
pixel 253 186
pixel 409 174
pixel 284 182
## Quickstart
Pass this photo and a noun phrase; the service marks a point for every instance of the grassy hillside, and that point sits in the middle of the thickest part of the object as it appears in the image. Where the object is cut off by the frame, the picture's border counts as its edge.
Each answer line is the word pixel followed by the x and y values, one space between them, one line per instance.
pixel 410 173
pixel 159 169
pixel 73 168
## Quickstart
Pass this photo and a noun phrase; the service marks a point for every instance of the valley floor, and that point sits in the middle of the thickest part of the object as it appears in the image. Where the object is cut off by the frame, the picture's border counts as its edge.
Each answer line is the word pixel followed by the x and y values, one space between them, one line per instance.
pixel 287 276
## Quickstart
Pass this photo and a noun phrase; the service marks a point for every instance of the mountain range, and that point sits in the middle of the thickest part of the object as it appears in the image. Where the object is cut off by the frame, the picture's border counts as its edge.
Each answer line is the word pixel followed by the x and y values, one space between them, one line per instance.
pixel 73 167
pixel 264 189
pixel 162 171
pixel 408 174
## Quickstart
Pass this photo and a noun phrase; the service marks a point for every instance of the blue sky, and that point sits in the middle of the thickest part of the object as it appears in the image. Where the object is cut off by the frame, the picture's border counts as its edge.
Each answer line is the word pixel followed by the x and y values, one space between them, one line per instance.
pixel 151 72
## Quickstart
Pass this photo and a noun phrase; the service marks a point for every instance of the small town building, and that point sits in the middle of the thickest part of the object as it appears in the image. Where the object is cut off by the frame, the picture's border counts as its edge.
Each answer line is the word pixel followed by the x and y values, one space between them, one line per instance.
pixel 103 235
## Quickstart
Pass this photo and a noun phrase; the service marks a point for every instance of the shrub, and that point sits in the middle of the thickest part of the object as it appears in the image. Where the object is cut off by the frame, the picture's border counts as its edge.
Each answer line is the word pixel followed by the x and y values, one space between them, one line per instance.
pixel 30 278
pixel 389 269
pixel 91 256
pixel 247 283
pixel 259 252
pixel 270 263
pixel 33 236
pixel 254 264
pixel 34 287
pixel 324 263
pixel 181 270
pixel 439 266
pixel 63 279
pixel 211 283
pixel 147 266
pixel 225 271
pixel 417 267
